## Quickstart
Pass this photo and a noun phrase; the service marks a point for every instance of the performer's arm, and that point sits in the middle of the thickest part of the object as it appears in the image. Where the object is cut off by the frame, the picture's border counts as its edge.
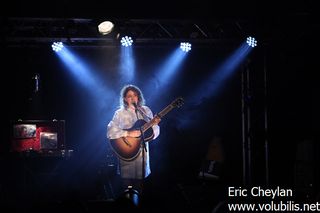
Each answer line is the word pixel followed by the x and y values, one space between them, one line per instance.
pixel 113 129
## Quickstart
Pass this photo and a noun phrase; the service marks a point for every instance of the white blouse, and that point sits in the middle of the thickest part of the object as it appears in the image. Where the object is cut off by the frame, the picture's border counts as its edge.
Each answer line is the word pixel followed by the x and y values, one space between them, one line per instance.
pixel 124 119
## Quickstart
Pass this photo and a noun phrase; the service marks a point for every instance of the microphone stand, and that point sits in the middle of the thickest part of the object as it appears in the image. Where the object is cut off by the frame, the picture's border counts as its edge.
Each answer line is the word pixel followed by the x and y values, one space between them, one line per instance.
pixel 140 128
pixel 143 144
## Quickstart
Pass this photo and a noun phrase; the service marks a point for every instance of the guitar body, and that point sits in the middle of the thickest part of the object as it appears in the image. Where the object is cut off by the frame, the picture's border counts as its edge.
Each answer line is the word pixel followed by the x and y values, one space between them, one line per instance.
pixel 128 148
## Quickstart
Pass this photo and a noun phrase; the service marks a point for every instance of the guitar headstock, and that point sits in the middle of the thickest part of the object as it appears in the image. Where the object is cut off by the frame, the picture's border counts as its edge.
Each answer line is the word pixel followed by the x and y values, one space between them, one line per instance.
pixel 178 102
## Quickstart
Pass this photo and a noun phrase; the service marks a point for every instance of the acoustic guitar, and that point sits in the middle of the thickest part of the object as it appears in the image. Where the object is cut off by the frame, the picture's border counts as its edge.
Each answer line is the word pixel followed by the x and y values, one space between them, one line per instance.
pixel 128 148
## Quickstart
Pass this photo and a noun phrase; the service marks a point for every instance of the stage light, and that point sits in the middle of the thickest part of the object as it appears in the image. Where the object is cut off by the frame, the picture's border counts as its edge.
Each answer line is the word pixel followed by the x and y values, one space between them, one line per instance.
pixel 252 42
pixel 132 195
pixel 57 46
pixel 126 41
pixel 129 199
pixel 105 27
pixel 185 46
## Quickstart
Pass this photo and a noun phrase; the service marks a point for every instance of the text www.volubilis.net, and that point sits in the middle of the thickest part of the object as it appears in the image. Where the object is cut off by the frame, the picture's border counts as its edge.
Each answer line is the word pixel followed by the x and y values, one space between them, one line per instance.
pixel 282 206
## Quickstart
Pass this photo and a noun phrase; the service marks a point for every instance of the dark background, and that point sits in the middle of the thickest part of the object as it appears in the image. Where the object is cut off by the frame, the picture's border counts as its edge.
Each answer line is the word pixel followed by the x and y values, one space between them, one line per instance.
pixel 288 55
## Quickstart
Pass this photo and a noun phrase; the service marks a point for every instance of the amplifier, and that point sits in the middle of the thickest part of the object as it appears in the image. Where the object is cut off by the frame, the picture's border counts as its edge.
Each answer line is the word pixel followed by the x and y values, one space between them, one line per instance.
pixel 37 135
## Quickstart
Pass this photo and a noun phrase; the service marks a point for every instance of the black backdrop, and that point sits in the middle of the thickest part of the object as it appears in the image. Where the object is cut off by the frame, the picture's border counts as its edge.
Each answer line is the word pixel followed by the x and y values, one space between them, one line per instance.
pixel 292 101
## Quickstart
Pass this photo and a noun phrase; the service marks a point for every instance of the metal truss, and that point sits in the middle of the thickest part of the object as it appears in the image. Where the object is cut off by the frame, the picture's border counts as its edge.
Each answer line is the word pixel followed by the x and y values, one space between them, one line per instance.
pixel 84 31
pixel 75 31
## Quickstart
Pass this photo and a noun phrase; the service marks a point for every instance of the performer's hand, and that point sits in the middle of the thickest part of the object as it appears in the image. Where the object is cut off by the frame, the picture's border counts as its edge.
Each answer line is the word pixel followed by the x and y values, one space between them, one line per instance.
pixel 157 120
pixel 134 133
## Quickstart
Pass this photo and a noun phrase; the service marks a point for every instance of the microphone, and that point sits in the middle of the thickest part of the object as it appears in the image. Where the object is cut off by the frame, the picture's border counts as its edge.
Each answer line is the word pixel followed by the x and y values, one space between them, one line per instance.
pixel 37 79
pixel 135 108
pixel 135 105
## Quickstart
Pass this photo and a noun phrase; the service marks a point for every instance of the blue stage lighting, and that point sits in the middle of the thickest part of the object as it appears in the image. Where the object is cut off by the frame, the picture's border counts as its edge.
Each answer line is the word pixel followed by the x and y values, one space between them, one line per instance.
pixel 185 46
pixel 57 46
pixel 252 42
pixel 126 41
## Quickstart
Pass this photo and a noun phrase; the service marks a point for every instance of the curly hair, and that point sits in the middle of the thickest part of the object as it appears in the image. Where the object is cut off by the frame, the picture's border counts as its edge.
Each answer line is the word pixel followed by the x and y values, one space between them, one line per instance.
pixel 136 90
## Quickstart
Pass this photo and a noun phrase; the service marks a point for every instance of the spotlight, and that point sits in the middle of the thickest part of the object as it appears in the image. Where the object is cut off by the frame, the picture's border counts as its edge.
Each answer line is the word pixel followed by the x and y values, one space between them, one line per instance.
pixel 185 46
pixel 132 195
pixel 126 41
pixel 57 46
pixel 129 199
pixel 105 27
pixel 252 42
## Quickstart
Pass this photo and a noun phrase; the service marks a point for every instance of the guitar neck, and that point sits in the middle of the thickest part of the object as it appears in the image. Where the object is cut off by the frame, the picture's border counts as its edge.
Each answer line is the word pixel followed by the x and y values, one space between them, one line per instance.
pixel 163 112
